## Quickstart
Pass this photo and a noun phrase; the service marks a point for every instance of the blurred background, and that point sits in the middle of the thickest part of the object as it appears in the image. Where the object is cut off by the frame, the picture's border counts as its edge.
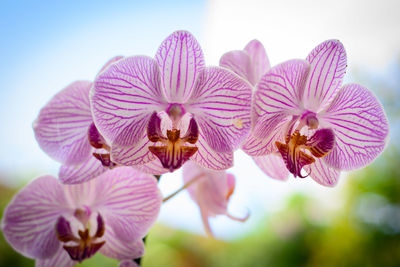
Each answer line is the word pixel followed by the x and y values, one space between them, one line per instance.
pixel 46 45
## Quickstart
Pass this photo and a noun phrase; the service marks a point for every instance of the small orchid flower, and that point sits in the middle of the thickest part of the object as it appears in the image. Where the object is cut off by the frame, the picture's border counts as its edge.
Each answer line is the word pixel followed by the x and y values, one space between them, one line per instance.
pixel 252 63
pixel 172 108
pixel 65 130
pixel 61 225
pixel 211 190
pixel 303 114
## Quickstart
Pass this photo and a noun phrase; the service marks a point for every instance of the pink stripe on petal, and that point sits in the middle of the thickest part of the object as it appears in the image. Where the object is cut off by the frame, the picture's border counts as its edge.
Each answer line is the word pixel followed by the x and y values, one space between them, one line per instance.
pixel 261 146
pixel 119 249
pixel 220 104
pixel 59 259
pixel 76 174
pixel 273 166
pixel 360 126
pixel 259 59
pixel 110 62
pixel 208 158
pixel 133 155
pixel 129 202
pixel 322 173
pixel 123 98
pixel 153 167
pixel 278 95
pixel 239 62
pixel 328 64
pixel 180 59
pixel 62 125
pixel 29 220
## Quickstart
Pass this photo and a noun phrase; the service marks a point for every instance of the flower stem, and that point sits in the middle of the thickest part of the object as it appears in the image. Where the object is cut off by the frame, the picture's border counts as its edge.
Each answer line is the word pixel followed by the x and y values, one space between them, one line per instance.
pixel 182 188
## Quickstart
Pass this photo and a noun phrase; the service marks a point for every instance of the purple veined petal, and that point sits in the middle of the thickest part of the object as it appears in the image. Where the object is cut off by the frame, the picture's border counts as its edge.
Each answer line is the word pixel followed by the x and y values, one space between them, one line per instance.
pixel 29 220
pixel 120 249
pixel 259 147
pixel 360 126
pixel 76 174
pixel 273 166
pixel 123 98
pixel 322 173
pixel 180 59
pixel 110 62
pixel 133 155
pixel 239 62
pixel 129 202
pixel 208 158
pixel 153 167
pixel 59 259
pixel 220 104
pixel 328 64
pixel 278 95
pixel 128 263
pixel 62 125
pixel 259 59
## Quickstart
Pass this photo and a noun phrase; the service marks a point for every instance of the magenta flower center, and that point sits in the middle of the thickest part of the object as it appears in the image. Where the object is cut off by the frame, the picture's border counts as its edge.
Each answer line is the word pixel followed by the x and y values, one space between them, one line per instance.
pixel 293 150
pixel 82 245
pixel 173 152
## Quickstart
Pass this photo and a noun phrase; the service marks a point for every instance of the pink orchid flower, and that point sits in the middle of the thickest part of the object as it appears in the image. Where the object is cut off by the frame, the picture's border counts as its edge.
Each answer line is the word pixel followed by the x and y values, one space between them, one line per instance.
pixel 211 190
pixel 61 225
pixel 172 108
pixel 64 129
pixel 252 63
pixel 302 114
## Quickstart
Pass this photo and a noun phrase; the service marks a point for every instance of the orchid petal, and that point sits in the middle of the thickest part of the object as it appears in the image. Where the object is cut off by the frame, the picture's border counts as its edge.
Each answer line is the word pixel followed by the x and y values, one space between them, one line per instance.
pixel 129 202
pixel 208 158
pixel 259 59
pixel 121 249
pixel 76 174
pixel 29 220
pixel 62 125
pixel 273 165
pixel 153 167
pixel 133 155
pixel 239 62
pixel 278 95
pixel 322 173
pixel 180 59
pixel 328 64
pixel 128 263
pixel 259 147
pixel 59 259
pixel 220 104
pixel 123 98
pixel 360 126
pixel 110 62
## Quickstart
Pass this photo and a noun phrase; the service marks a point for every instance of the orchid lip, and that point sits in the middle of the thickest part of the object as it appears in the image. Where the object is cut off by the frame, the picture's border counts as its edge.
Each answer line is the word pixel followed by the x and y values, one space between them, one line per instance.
pixel 84 245
pixel 174 152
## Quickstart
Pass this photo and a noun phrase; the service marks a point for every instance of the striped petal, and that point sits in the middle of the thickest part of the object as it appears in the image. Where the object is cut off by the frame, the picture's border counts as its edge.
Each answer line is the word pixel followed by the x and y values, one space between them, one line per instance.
pixel 76 174
pixel 328 64
pixel 123 98
pixel 110 62
pixel 129 201
pixel 220 104
pixel 60 259
pixel 62 125
pixel 273 166
pixel 121 250
pixel 133 155
pixel 360 126
pixel 153 167
pixel 29 220
pixel 255 147
pixel 278 95
pixel 180 59
pixel 322 173
pixel 210 159
pixel 259 59
pixel 239 62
